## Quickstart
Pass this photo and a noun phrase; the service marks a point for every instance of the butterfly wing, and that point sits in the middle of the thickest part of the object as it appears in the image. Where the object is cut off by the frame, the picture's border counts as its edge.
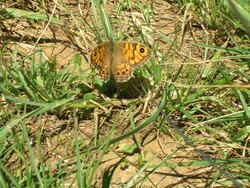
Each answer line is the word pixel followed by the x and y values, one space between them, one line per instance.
pixel 121 69
pixel 126 57
pixel 101 60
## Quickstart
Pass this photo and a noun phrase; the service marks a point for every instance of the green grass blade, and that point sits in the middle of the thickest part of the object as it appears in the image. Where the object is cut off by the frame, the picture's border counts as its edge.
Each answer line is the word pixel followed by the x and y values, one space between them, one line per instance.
pixel 241 9
pixel 19 13
pixel 38 111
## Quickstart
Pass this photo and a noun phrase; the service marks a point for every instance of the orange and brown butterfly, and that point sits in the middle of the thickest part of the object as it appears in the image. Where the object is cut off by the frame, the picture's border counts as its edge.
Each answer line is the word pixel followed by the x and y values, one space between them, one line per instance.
pixel 118 59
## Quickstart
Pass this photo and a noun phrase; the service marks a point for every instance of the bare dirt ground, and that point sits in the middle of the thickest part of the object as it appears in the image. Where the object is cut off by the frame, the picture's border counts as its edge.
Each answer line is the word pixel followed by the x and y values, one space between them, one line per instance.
pixel 58 131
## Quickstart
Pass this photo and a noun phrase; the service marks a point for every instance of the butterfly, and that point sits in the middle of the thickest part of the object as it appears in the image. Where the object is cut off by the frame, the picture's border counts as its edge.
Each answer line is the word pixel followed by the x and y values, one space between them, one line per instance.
pixel 118 59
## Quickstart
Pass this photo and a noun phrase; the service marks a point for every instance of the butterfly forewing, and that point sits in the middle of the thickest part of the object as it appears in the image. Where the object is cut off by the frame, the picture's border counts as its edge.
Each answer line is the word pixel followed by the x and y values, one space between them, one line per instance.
pixel 136 53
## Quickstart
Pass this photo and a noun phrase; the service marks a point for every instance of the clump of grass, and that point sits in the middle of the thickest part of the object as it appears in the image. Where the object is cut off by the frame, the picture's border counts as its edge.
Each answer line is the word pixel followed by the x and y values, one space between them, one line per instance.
pixel 208 99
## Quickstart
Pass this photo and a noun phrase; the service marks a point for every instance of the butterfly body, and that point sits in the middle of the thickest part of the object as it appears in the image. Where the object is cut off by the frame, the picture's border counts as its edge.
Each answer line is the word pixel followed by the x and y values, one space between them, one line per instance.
pixel 118 59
